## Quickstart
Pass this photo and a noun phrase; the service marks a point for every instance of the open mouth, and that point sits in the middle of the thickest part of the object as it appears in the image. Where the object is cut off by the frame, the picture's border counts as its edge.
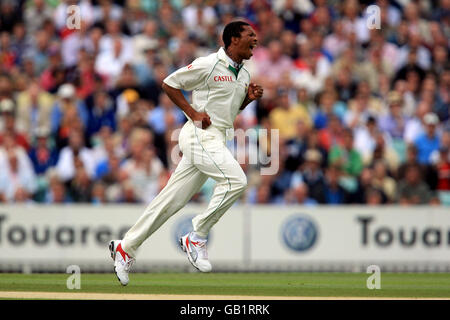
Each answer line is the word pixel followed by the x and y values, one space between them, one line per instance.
pixel 252 46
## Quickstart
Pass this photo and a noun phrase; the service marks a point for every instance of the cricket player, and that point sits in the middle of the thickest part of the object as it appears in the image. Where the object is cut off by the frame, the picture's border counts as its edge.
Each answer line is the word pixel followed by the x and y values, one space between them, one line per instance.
pixel 221 88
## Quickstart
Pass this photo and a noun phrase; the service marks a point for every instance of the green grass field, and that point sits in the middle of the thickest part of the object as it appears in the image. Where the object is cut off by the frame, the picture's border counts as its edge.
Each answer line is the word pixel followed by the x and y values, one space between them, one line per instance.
pixel 411 285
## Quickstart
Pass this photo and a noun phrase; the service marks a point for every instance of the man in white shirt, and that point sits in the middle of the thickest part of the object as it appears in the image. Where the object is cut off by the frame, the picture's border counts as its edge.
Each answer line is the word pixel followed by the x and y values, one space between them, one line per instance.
pixel 221 89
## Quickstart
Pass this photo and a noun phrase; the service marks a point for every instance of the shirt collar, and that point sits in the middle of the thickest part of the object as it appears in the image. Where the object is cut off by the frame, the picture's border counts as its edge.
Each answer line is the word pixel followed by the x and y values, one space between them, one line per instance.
pixel 224 57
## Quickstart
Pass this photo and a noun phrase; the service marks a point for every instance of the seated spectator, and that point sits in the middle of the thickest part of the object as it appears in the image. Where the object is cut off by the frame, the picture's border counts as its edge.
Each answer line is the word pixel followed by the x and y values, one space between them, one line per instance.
pixel 73 155
pixel 429 141
pixel 394 121
pixel 284 116
pixel 7 112
pixel 56 192
pixel 412 190
pixel 17 178
pixel 345 156
pixel 312 175
pixel 165 116
pixel 110 63
pixel 364 183
pixel 374 197
pixel 80 187
pixel 33 108
pixel 42 155
pixel 296 147
pixel 67 100
pixel 334 193
pixel 143 168
pixel 383 151
pixel 328 107
pixel 443 168
pixel 102 113
pixel 331 135
pixel 299 195
pixel 272 63
pixel 98 193
pixel 383 182
pixel 88 80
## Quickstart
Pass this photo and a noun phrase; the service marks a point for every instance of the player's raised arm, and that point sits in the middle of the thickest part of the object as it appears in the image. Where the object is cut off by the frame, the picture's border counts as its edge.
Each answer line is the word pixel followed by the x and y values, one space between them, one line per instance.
pixel 254 92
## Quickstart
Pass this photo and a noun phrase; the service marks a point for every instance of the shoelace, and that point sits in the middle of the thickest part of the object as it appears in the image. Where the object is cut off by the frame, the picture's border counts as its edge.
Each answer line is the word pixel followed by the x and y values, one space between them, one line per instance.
pixel 129 264
pixel 202 249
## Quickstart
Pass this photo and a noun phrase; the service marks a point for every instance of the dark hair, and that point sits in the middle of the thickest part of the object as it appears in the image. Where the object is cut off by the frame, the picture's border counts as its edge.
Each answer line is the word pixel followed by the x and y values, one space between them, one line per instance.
pixel 233 29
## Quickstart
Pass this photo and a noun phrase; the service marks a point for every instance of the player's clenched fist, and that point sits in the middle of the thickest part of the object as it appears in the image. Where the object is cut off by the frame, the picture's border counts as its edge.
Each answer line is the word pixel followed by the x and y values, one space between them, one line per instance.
pixel 201 120
pixel 255 91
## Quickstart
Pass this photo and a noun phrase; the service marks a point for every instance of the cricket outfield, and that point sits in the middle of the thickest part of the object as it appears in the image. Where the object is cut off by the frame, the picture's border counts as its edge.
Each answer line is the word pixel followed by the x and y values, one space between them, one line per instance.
pixel 227 286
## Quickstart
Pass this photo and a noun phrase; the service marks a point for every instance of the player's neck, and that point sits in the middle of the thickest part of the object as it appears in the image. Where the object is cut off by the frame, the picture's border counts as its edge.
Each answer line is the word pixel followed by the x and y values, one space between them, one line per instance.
pixel 233 56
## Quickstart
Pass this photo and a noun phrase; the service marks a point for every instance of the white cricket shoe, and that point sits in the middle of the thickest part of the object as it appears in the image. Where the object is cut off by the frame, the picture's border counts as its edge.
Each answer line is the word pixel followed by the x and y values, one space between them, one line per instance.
pixel 196 252
pixel 122 261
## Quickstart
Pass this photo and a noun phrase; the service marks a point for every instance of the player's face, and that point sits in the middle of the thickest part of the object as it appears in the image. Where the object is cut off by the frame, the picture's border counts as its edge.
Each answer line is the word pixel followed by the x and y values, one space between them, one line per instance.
pixel 247 42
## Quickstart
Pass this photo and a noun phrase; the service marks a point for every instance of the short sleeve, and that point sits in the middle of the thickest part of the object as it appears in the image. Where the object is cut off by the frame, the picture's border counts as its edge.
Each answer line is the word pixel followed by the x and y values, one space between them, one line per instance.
pixel 190 77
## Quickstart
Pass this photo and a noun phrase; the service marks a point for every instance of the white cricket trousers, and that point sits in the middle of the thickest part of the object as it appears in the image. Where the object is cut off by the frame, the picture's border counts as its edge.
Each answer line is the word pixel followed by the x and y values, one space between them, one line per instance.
pixel 204 155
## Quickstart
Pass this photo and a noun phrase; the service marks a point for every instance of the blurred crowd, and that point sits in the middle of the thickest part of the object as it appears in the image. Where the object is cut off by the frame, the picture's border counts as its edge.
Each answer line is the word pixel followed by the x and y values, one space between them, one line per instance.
pixel 362 113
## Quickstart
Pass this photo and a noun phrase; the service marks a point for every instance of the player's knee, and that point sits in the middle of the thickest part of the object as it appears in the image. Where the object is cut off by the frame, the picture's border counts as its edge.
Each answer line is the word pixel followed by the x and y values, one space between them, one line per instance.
pixel 241 183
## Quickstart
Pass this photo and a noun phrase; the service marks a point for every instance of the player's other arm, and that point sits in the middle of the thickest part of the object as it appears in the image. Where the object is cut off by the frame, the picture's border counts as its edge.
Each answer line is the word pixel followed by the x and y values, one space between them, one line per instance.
pixel 200 119
pixel 254 92
pixel 188 78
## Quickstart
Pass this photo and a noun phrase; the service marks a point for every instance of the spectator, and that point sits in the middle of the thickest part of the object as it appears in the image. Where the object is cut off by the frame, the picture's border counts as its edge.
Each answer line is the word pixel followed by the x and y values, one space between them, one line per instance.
pixel 383 182
pixel 312 175
pixel 110 63
pixel 143 168
pixel 101 114
pixel 17 178
pixel 272 63
pixel 8 113
pixel 395 120
pixel 412 189
pixel 67 102
pixel 328 107
pixel 73 156
pixel 346 157
pixel 165 116
pixel 374 197
pixel 299 195
pixel 331 134
pixel 42 155
pixel 334 193
pixel 285 116
pixel 35 15
pixel 429 141
pixel 33 108
pixel 80 187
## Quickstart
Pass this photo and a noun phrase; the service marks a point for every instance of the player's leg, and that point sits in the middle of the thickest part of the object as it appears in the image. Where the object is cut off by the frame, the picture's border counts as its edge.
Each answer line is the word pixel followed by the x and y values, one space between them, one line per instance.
pixel 214 160
pixel 231 183
pixel 182 185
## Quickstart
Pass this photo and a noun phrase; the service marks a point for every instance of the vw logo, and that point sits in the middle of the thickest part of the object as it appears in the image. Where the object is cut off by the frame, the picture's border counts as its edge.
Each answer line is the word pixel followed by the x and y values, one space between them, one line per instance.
pixel 299 233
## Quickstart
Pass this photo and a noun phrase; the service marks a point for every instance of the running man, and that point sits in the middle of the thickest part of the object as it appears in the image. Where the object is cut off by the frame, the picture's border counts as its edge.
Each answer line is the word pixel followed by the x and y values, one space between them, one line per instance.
pixel 221 88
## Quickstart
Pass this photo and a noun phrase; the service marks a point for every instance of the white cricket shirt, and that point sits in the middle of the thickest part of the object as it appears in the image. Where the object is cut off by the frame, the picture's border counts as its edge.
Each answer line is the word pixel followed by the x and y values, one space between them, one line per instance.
pixel 215 88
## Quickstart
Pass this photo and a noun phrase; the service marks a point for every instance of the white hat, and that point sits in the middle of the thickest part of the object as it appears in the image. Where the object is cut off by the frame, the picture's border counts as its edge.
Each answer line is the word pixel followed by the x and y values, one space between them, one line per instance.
pixel 7 105
pixel 313 155
pixel 431 119
pixel 42 132
pixel 67 90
